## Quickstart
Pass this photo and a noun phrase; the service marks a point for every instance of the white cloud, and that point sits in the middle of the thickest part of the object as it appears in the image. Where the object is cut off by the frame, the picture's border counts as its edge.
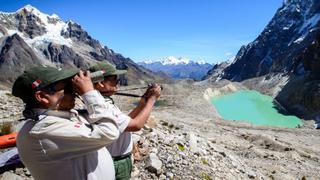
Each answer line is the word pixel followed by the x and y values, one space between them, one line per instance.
pixel 228 53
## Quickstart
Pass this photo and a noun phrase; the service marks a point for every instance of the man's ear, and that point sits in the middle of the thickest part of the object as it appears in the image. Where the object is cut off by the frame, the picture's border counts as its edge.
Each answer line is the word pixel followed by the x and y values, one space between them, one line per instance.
pixel 98 85
pixel 41 97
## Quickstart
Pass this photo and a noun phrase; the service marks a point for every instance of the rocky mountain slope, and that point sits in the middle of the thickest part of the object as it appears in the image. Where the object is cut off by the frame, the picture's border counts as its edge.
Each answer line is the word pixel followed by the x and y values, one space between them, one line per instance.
pixel 287 46
pixel 178 68
pixel 293 28
pixel 186 139
pixel 29 37
pixel 215 73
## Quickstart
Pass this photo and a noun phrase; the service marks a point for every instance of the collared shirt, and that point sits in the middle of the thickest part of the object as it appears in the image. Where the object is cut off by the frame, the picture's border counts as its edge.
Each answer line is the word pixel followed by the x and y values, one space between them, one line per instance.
pixel 64 145
pixel 123 145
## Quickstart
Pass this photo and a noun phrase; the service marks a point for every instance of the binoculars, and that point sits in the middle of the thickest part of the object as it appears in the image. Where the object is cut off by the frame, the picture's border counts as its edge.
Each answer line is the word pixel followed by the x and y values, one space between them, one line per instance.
pixel 97 76
pixel 151 85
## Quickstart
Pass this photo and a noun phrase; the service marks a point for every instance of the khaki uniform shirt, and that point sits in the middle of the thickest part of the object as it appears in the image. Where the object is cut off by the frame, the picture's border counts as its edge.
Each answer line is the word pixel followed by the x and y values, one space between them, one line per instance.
pixel 63 145
pixel 123 145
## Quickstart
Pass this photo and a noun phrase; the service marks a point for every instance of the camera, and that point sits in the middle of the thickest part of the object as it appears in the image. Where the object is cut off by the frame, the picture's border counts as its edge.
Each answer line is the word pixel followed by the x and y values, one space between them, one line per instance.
pixel 151 85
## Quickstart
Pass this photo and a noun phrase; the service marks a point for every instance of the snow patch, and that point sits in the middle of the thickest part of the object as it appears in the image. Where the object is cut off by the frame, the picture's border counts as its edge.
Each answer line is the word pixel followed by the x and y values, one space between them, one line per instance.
pixel 6 13
pixel 12 32
pixel 201 62
pixel 299 40
pixel 314 29
pixel 71 22
pixel 289 25
pixel 55 16
pixel 148 62
pixel 27 7
pixel 171 60
pixel 53 33
pixel 174 61
pixel 43 17
pixel 229 60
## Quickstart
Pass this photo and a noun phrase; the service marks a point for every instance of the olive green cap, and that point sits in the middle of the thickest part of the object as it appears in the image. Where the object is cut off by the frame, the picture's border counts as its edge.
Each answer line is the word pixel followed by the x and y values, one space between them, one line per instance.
pixel 107 67
pixel 37 78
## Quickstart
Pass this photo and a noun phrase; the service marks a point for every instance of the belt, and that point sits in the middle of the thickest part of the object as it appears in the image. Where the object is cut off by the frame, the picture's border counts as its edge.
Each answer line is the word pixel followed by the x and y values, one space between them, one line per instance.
pixel 124 156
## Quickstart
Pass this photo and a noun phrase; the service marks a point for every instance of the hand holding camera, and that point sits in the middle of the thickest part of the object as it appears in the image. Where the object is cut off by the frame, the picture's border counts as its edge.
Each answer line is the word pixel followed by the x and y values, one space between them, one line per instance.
pixel 153 91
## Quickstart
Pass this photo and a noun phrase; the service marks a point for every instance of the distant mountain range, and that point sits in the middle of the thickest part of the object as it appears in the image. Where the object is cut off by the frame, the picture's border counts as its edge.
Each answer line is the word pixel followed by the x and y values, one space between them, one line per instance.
pixel 289 46
pixel 29 37
pixel 178 68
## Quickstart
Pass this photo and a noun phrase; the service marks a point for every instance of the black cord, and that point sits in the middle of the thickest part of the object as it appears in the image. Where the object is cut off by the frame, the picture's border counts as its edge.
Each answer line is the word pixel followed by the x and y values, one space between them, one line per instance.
pixel 127 94
pixel 133 88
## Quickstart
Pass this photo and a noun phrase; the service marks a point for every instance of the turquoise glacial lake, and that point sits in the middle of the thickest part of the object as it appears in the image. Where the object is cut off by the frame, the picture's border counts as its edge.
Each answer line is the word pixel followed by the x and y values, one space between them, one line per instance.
pixel 252 107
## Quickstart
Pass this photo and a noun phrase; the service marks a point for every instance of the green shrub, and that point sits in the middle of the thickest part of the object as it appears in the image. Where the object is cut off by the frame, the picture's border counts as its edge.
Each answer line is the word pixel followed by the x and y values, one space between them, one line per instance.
pixel 9 94
pixel 181 147
pixel 205 176
pixel 161 103
pixel 6 128
pixel 204 161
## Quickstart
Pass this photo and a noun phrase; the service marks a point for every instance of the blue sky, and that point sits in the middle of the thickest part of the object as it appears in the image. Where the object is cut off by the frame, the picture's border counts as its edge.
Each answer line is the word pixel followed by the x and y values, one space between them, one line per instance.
pixel 209 30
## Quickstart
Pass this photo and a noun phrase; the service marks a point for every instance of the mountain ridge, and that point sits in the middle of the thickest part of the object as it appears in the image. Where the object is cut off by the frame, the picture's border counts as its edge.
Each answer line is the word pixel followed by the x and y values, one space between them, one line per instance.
pixel 285 55
pixel 171 60
pixel 293 27
pixel 60 44
pixel 178 68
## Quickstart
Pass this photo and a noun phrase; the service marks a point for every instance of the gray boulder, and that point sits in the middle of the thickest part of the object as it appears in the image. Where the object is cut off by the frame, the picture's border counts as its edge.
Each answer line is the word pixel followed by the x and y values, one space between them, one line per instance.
pixel 154 164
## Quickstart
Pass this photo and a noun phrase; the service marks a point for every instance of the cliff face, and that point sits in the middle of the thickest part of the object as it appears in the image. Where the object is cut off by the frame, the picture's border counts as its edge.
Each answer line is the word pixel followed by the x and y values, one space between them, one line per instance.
pixel 15 55
pixel 29 37
pixel 288 47
pixel 301 94
pixel 293 28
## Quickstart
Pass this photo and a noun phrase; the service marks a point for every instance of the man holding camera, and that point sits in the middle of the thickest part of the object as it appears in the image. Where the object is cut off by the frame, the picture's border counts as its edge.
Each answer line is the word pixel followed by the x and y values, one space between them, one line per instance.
pixel 120 150
pixel 55 142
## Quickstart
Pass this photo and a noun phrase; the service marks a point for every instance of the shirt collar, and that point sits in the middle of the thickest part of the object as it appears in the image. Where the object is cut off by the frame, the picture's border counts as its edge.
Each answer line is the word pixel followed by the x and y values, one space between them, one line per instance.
pixel 58 113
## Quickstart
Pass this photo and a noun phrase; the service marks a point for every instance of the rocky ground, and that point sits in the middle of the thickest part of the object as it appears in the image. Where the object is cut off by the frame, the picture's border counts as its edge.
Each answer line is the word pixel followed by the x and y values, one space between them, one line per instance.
pixel 186 139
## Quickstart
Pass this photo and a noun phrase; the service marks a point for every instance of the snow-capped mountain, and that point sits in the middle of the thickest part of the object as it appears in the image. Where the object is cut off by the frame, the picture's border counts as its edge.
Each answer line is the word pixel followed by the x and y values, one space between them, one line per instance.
pixel 29 37
pixel 287 51
pixel 178 68
pixel 48 28
pixel 171 60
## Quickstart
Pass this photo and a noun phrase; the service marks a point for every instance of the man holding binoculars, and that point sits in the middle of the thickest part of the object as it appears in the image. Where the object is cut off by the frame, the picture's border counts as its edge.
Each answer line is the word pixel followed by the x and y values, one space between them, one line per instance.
pixel 56 142
pixel 120 150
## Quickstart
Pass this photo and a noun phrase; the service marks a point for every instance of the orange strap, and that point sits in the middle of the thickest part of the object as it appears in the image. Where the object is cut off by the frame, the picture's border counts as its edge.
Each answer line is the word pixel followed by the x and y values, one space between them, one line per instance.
pixel 8 140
